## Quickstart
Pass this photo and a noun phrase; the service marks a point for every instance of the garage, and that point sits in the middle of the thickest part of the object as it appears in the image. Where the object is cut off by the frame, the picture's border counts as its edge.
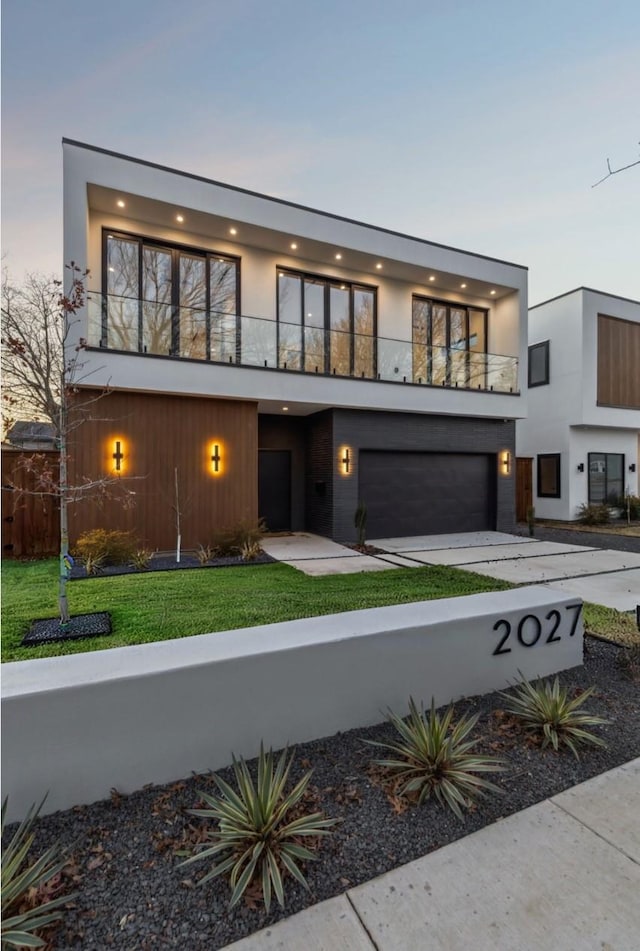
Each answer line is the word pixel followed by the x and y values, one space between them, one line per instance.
pixel 424 493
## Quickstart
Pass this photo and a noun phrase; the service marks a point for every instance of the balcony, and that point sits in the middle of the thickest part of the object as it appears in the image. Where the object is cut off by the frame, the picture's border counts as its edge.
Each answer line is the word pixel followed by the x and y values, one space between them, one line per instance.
pixel 129 325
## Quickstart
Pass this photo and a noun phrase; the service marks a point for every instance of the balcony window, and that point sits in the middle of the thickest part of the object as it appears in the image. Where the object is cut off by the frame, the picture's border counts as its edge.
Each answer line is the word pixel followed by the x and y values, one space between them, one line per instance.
pixel 326 326
pixel 449 344
pixel 168 300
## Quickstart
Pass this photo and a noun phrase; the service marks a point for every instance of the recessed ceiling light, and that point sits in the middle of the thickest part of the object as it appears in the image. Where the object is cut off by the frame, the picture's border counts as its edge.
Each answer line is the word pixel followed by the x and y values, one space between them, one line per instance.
pixel 378 266
pixel 338 257
pixel 293 246
pixel 432 278
pixel 233 230
pixel 280 274
pixel 463 285
pixel 285 409
pixel 120 203
pixel 343 287
pixel 179 217
pixel 492 292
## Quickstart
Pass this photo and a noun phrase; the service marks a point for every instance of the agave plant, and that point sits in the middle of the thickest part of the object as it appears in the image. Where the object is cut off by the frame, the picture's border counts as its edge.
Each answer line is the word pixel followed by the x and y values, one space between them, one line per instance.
pixel 21 880
pixel 433 755
pixel 544 707
pixel 257 837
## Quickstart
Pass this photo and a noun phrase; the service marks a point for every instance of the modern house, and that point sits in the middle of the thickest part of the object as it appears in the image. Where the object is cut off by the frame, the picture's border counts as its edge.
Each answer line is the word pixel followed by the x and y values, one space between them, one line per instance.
pixel 266 359
pixel 581 439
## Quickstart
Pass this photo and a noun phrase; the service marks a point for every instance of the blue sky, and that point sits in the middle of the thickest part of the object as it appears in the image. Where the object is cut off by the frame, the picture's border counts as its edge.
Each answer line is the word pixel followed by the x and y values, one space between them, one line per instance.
pixel 482 125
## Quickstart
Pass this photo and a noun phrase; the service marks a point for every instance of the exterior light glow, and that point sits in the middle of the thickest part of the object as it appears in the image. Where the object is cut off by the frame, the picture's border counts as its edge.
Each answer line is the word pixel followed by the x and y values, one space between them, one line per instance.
pixel 285 409
pixel 505 462
pixel 233 230
pixel 378 266
pixel 216 457
pixel 294 246
pixel 120 203
pixel 180 218
pixel 116 457
pixel 432 278
pixel 345 460
pixel 492 292
pixel 338 257
pixel 463 285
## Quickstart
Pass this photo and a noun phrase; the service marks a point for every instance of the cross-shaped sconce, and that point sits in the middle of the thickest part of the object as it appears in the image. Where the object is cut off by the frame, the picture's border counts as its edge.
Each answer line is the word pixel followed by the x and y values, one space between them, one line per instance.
pixel 118 455
pixel 346 459
pixel 215 458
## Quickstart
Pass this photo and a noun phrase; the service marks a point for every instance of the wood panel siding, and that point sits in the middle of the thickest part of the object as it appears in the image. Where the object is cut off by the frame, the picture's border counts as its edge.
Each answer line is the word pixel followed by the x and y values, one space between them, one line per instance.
pixel 157 434
pixel 618 362
pixel 30 520
pixel 524 487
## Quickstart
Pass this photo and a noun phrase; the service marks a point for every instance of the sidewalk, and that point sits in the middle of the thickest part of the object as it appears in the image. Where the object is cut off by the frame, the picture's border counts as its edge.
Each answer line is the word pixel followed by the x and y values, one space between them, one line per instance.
pixel 563 875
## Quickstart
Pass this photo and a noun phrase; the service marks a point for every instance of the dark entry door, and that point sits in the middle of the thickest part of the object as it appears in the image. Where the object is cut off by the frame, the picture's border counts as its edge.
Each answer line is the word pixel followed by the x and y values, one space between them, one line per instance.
pixel 421 493
pixel 524 487
pixel 274 488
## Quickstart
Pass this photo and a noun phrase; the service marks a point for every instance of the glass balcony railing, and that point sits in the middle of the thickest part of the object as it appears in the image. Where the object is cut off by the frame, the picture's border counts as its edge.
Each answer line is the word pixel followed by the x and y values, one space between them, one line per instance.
pixel 151 327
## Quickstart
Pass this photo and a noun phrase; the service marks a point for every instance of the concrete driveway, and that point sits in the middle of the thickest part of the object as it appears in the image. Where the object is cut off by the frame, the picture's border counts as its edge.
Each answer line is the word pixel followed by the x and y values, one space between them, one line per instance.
pixel 602 576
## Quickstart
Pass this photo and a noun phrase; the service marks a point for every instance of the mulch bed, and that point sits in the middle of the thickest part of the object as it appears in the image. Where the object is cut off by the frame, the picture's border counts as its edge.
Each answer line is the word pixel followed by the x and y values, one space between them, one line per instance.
pixel 47 630
pixel 132 892
pixel 169 563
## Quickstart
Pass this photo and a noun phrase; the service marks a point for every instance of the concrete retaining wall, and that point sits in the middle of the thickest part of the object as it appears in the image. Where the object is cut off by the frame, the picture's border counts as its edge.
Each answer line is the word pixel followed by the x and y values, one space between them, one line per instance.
pixel 81 724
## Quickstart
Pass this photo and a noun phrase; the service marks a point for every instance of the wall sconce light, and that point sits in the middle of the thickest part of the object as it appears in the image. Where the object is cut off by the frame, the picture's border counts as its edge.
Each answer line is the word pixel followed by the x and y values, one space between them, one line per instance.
pixel 116 457
pixel 632 467
pixel 345 460
pixel 581 467
pixel 216 457
pixel 505 462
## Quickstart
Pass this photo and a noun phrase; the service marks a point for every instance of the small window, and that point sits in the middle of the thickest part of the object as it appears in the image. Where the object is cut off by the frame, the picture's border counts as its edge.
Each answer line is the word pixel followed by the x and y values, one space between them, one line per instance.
pixel 549 476
pixel 539 364
pixel 606 477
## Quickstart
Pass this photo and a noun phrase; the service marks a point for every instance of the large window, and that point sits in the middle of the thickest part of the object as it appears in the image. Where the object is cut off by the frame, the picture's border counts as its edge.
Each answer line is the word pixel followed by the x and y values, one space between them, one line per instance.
pixel 169 300
pixel 549 476
pixel 606 476
pixel 326 326
pixel 449 343
pixel 539 363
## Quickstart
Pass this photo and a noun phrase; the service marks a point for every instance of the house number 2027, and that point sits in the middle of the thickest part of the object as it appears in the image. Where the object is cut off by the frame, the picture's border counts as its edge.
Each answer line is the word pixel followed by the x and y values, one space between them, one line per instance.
pixel 530 628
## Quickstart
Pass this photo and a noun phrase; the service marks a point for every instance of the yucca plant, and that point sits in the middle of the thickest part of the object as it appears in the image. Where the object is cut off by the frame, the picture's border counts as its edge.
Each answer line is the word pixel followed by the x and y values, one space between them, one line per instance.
pixel 257 837
pixel 543 707
pixel 434 755
pixel 21 880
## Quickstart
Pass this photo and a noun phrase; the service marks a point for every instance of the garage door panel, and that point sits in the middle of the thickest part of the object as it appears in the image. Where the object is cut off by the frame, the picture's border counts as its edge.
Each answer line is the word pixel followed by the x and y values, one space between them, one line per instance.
pixel 415 493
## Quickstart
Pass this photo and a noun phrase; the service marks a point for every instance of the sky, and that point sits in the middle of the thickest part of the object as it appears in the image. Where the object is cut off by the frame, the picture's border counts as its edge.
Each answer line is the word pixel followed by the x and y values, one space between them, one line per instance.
pixel 480 124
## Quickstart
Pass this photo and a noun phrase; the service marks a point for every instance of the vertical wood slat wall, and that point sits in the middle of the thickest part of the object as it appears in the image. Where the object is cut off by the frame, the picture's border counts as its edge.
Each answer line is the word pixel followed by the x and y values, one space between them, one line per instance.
pixel 30 520
pixel 618 362
pixel 158 434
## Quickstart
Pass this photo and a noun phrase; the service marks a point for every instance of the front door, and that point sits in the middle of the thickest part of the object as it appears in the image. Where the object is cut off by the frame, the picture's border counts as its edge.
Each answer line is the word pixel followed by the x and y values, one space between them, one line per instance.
pixel 274 488
pixel 524 487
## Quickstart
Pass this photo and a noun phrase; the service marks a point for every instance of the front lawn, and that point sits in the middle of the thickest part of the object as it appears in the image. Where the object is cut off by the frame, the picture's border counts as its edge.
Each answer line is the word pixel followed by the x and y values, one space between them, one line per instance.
pixel 163 605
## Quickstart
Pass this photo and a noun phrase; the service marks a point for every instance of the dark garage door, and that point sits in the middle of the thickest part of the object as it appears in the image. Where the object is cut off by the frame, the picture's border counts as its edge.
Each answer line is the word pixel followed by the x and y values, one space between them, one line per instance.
pixel 423 493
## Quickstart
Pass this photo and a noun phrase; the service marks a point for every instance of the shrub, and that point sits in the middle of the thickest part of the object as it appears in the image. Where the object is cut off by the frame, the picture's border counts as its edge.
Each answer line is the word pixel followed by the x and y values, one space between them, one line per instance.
pixel 629 505
pixel 259 827
pixel 590 514
pixel 109 547
pixel 231 541
pixel 141 558
pixel 434 756
pixel 204 554
pixel 250 550
pixel 224 543
pixel 24 886
pixel 545 709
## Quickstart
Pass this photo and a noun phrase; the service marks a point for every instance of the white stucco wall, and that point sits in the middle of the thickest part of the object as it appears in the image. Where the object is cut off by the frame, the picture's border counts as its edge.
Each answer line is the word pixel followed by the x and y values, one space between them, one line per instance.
pixel 81 724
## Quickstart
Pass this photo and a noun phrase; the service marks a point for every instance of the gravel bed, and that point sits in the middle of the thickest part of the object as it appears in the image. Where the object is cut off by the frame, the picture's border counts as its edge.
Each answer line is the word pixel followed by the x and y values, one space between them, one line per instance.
pixel 132 894
pixel 168 563
pixel 574 536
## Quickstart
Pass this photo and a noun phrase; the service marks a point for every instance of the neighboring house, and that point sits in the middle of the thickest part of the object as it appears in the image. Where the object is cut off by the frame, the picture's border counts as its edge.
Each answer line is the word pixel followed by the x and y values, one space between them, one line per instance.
pixel 582 433
pixel 30 435
pixel 282 362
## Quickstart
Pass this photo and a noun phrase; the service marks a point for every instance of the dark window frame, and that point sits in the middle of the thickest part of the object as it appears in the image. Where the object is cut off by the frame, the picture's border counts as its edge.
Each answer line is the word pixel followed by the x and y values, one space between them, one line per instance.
pixel 535 346
pixel 328 281
pixel 549 495
pixel 590 455
pixel 449 305
pixel 175 249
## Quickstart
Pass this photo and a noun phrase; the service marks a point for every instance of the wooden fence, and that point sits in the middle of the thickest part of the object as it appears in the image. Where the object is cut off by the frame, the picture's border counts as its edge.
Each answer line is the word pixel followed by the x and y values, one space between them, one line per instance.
pixel 30 520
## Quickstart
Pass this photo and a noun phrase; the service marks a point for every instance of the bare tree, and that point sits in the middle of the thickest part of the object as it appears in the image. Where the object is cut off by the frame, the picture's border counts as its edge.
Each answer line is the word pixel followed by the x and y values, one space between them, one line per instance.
pixel 42 375
pixel 614 171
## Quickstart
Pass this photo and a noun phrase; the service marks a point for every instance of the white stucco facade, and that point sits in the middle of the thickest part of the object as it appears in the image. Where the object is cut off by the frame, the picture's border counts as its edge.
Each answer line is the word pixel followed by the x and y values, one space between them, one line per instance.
pixel 563 415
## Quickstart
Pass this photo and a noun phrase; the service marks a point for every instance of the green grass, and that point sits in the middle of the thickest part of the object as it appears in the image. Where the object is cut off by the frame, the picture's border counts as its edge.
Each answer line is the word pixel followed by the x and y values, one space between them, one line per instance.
pixel 611 624
pixel 163 605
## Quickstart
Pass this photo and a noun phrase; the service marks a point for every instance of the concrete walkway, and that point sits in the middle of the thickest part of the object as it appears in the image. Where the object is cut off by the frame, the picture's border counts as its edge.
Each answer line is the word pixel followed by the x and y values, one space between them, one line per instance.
pixel 563 875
